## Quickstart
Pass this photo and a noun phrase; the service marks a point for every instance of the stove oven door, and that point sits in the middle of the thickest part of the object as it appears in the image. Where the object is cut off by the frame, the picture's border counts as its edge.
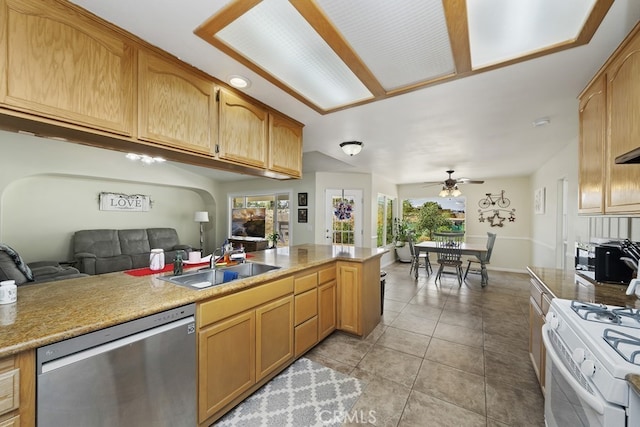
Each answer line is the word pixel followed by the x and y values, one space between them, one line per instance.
pixel 570 398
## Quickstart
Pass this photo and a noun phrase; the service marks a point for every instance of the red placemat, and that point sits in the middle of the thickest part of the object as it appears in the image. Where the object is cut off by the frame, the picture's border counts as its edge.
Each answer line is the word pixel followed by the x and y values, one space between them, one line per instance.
pixel 146 271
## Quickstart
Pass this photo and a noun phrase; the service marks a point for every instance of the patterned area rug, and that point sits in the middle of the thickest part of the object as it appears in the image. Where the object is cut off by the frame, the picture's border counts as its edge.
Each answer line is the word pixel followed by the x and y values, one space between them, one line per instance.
pixel 305 394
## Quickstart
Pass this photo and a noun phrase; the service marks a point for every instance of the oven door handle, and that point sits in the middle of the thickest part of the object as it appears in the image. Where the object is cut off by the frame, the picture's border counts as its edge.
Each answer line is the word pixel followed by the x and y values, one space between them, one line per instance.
pixel 587 397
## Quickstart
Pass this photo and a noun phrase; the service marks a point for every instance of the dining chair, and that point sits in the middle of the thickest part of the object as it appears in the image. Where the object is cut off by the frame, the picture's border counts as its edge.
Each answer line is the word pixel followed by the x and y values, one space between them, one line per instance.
pixel 416 258
pixel 491 240
pixel 449 253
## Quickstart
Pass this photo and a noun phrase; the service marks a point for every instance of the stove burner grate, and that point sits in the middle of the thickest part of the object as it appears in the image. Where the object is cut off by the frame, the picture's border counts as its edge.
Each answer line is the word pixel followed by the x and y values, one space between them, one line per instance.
pixel 596 312
pixel 627 346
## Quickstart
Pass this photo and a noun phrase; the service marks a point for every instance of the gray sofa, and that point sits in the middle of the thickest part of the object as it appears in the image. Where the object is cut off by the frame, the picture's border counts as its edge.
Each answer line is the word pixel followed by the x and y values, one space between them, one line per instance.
pixel 13 267
pixel 106 251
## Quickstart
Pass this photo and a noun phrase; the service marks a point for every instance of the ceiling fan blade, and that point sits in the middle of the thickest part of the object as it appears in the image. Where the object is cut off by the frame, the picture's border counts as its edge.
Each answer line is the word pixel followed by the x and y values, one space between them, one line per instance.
pixel 469 181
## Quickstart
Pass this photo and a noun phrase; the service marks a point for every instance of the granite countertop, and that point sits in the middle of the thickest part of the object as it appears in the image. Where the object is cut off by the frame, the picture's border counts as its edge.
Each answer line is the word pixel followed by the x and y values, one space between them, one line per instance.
pixel 54 311
pixel 565 285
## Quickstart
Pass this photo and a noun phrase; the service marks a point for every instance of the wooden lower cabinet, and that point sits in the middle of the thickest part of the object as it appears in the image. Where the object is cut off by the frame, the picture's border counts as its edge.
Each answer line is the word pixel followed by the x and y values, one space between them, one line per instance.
pixel 327 299
pixel 17 390
pixel 539 302
pixel 274 334
pixel 224 374
pixel 358 296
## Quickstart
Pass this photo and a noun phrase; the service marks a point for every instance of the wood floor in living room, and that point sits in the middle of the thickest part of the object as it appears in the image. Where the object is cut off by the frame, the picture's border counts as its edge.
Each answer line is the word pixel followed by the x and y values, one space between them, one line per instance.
pixel 443 355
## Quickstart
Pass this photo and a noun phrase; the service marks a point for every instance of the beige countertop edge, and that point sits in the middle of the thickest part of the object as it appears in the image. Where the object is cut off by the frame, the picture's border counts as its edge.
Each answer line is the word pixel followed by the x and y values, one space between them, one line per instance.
pixel 54 311
pixel 634 381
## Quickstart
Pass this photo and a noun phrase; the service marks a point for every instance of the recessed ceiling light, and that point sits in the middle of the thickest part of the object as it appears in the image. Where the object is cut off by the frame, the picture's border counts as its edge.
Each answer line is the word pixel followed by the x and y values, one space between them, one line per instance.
pixel 542 121
pixel 239 81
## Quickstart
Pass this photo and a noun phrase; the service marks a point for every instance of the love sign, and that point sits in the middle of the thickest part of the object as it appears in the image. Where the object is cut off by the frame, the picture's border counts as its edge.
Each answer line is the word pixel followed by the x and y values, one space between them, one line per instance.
pixel 124 202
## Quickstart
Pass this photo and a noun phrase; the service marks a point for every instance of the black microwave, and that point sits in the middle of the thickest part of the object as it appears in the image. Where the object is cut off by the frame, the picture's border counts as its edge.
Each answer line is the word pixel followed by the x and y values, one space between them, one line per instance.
pixel 608 267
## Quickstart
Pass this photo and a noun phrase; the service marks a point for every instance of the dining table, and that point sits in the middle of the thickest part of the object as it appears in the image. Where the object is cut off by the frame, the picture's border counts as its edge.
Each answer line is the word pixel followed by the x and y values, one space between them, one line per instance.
pixel 478 250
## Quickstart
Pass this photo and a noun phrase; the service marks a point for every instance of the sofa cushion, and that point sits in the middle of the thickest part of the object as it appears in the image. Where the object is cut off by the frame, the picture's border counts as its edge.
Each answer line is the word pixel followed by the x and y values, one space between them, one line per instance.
pixel 13 267
pixel 111 264
pixel 163 238
pixel 134 241
pixel 101 243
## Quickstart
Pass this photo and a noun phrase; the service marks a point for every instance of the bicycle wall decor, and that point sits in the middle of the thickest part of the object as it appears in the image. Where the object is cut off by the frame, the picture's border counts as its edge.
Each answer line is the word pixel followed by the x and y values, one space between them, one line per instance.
pixel 488 205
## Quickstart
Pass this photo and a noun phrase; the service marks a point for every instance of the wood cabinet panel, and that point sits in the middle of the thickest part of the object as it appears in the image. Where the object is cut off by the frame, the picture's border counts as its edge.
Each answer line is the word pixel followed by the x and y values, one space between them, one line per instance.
pixel 591 152
pixel 9 390
pixel 242 134
pixel 224 374
pixel 306 335
pixel 349 276
pixel 623 102
pixel 305 283
pixel 306 306
pixel 327 274
pixel 274 334
pixel 11 422
pixel 285 145
pixel 59 64
pixel 327 304
pixel 175 107
pixel 536 346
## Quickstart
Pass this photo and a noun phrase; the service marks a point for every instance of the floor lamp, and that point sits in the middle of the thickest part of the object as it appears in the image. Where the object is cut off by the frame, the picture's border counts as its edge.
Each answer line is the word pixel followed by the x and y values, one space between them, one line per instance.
pixel 201 217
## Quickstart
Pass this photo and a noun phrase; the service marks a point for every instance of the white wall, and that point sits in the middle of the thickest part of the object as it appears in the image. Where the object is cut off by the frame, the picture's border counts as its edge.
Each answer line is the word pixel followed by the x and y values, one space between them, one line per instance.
pixel 49 189
pixel 381 186
pixel 512 248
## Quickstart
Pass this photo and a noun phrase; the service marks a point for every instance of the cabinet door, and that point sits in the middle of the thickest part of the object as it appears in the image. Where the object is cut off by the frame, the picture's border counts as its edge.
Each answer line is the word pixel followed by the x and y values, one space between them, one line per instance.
pixel 536 347
pixel 274 335
pixel 592 148
pixel 326 309
pixel 176 107
pixel 349 297
pixel 285 145
pixel 59 64
pixel 226 362
pixel 242 134
pixel 623 96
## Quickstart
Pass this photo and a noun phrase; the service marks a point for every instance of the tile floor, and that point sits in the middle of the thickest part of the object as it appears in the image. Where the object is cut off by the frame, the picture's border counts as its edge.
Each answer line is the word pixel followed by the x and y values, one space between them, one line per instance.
pixel 444 355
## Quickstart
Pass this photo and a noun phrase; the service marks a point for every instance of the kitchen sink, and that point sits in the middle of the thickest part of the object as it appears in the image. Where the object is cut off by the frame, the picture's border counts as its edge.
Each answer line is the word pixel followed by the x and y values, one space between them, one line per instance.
pixel 211 277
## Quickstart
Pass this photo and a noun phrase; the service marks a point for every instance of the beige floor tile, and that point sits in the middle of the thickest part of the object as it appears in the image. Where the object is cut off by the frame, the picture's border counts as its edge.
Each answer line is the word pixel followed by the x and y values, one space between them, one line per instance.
pixel 459 334
pixel 431 299
pixel 343 348
pixel 423 311
pixel 426 411
pixel 392 305
pixel 463 357
pixel 416 324
pixel 514 406
pixel 514 371
pixel 452 385
pixel 391 364
pixel 389 316
pixel 381 402
pixel 466 320
pixel 454 306
pixel 404 341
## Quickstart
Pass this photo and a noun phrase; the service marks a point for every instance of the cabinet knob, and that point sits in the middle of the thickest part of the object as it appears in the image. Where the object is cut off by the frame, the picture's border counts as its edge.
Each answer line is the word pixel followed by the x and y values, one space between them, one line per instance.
pixel 552 320
pixel 578 355
pixel 588 368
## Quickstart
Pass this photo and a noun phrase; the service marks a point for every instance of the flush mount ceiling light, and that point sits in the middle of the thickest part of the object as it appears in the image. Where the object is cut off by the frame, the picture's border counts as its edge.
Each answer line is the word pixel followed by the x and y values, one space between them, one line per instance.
pixel 351 148
pixel 144 158
pixel 239 81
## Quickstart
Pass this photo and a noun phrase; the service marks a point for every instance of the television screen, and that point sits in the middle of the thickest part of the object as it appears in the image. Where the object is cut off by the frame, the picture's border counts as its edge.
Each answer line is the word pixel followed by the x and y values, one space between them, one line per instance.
pixel 248 222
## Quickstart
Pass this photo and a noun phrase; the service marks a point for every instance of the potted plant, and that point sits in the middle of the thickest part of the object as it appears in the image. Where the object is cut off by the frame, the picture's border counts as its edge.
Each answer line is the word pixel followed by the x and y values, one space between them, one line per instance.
pixel 273 239
pixel 402 232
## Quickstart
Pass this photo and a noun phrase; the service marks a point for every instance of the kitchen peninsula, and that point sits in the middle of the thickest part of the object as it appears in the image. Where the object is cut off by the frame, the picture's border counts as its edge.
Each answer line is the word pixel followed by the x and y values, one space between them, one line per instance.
pixel 322 287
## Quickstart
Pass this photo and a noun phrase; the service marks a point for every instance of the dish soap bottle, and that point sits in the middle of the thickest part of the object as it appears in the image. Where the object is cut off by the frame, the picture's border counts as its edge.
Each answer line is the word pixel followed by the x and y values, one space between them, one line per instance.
pixel 178 264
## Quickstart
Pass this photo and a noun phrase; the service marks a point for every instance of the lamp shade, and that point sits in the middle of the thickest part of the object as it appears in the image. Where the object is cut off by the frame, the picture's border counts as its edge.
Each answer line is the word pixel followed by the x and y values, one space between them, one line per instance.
pixel 201 217
pixel 351 147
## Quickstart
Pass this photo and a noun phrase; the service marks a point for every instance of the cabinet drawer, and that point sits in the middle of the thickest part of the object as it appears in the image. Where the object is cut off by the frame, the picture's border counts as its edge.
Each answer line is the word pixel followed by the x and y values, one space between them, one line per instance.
pixel 546 303
pixel 306 335
pixel 11 422
pixel 306 306
pixel 304 283
pixel 327 274
pixel 536 292
pixel 223 307
pixel 9 390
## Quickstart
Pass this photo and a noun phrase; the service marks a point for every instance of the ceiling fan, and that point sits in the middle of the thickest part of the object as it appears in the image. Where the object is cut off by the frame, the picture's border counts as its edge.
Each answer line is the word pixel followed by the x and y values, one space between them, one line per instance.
pixel 450 185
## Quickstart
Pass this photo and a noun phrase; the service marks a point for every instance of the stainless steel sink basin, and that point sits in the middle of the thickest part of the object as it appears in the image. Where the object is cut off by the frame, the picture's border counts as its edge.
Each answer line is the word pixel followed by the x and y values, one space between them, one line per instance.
pixel 211 277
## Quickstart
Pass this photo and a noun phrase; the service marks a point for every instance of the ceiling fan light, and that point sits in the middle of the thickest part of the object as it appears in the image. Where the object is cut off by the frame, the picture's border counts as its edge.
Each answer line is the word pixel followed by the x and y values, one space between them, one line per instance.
pixel 456 192
pixel 351 148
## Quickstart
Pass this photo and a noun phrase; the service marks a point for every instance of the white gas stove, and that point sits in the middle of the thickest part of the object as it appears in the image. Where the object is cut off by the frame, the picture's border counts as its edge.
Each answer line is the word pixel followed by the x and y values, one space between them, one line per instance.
pixel 590 350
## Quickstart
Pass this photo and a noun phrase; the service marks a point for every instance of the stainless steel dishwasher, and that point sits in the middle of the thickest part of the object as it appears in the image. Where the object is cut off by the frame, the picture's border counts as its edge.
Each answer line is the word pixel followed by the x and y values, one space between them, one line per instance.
pixel 139 373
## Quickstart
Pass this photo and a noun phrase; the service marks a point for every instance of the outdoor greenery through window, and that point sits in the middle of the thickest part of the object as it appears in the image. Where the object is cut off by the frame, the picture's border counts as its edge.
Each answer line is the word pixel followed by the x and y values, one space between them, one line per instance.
pixel 261 216
pixel 385 220
pixel 424 216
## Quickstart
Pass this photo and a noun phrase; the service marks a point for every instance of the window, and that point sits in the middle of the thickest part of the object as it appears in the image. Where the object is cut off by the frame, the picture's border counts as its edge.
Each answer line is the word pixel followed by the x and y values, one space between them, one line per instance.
pixel 385 220
pixel 427 215
pixel 261 216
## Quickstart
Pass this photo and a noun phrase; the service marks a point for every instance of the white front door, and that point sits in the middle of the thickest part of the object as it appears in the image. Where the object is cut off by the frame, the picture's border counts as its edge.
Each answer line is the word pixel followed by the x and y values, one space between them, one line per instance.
pixel 343 210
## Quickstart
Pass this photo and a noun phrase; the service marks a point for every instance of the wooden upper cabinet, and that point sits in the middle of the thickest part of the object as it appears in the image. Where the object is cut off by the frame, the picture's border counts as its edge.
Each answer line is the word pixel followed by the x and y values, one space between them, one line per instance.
pixel 59 64
pixel 285 145
pixel 623 101
pixel 593 118
pixel 176 107
pixel 242 134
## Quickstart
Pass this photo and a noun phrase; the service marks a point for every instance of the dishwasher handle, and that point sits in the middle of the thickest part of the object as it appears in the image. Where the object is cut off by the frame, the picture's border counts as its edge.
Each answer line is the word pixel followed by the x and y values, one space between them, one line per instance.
pixel 121 342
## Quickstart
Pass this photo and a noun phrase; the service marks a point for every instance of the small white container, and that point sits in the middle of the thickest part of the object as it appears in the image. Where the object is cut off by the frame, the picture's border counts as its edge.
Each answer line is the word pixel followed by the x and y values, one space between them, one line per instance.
pixel 8 292
pixel 156 259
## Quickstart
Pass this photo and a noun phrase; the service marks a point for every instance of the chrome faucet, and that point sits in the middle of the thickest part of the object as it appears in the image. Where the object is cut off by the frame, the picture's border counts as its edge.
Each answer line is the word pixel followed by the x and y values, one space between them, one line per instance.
pixel 214 258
